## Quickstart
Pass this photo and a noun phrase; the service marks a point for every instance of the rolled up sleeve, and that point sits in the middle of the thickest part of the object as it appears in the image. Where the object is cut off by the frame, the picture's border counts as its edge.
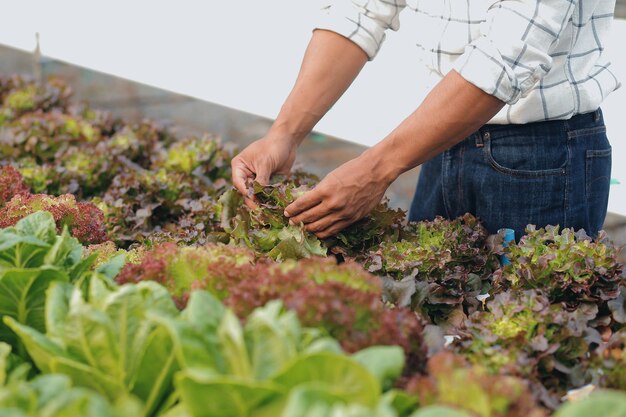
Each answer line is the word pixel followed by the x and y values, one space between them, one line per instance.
pixel 513 52
pixel 362 21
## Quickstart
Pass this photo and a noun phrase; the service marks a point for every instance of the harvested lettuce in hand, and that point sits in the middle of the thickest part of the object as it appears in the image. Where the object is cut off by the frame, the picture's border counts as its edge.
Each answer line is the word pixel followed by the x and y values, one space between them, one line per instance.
pixel 266 229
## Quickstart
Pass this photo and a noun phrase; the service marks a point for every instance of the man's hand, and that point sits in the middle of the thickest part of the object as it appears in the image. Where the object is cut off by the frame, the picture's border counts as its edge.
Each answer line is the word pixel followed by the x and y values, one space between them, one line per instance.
pixel 267 156
pixel 344 196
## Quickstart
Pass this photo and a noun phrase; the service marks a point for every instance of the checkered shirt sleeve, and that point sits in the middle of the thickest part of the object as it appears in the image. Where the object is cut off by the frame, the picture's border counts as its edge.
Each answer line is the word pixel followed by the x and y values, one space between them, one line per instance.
pixel 362 21
pixel 511 55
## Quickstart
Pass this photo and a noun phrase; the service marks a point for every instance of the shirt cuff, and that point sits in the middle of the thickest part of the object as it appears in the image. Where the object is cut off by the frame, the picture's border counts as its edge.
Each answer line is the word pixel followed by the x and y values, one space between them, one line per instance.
pixel 357 27
pixel 482 65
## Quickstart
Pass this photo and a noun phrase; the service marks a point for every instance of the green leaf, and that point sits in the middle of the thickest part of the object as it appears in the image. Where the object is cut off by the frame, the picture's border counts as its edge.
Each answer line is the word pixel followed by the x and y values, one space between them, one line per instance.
pixel 178 410
pixel 66 251
pixel 207 395
pixel 5 351
pixel 439 411
pixel 384 362
pixel 110 345
pixel 41 349
pixel 56 310
pixel 20 251
pixel 22 297
pixel 113 266
pixel 295 243
pixel 230 335
pixel 194 332
pixel 304 401
pixel 155 370
pixel 78 402
pixel 90 337
pixel 82 267
pixel 272 335
pixel 127 313
pixel 401 402
pixel 53 396
pixel 27 244
pixel 40 225
pixel 341 375
pixel 230 201
pixel 601 403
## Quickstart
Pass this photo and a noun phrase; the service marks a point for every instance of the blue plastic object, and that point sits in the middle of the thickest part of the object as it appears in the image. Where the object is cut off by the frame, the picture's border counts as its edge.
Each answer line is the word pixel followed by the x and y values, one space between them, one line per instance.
pixel 509 236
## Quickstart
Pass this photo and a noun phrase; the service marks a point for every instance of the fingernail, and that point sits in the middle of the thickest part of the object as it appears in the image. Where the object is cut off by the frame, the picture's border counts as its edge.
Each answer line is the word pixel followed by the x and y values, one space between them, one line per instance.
pixel 286 214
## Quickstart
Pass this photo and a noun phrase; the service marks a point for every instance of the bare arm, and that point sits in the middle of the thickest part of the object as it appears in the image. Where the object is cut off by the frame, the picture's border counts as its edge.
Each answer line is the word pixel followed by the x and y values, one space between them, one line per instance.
pixel 453 110
pixel 331 63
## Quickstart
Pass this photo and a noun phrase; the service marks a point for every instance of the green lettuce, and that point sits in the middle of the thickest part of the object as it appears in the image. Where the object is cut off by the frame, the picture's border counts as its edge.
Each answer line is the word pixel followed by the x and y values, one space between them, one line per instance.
pixel 52 395
pixel 229 369
pixel 105 341
pixel 32 257
pixel 601 403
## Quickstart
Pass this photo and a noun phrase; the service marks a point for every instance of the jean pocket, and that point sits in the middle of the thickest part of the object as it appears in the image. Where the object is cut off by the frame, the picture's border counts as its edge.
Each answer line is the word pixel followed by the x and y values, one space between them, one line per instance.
pixel 597 184
pixel 526 156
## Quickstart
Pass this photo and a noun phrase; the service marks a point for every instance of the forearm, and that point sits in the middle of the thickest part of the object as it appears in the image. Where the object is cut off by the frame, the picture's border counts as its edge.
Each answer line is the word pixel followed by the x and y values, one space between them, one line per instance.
pixel 453 110
pixel 331 63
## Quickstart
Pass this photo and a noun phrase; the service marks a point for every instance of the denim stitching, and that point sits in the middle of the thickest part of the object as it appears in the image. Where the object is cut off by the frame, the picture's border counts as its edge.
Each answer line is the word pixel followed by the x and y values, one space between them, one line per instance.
pixel 519 172
pixel 446 204
pixel 567 185
pixel 598 153
pixel 586 132
pixel 591 155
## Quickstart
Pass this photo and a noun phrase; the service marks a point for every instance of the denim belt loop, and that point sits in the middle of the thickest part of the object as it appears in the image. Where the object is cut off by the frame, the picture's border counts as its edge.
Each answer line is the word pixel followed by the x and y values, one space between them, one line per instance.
pixel 479 138
pixel 596 116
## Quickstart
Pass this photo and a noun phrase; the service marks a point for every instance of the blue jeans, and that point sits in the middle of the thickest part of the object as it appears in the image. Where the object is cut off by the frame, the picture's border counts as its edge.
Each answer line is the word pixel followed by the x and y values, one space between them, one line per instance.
pixel 543 173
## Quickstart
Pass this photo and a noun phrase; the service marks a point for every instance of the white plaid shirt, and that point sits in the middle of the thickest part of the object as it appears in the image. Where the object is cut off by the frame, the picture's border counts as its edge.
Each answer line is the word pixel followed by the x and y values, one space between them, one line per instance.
pixel 543 58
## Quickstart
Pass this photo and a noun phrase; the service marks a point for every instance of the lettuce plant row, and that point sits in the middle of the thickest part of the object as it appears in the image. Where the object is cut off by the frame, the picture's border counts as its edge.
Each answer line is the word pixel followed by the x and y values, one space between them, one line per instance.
pixel 134 281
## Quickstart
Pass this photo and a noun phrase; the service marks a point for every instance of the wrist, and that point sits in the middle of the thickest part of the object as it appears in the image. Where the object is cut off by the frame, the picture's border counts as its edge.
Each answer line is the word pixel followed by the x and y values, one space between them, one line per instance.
pixel 281 133
pixel 382 164
pixel 292 125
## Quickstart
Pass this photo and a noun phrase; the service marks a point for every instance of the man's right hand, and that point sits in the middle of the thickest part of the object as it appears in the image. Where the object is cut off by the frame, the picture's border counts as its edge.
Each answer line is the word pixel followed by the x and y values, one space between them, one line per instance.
pixel 272 154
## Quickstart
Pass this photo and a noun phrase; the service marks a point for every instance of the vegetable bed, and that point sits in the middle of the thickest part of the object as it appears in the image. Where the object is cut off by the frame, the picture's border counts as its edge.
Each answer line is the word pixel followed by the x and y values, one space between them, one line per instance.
pixel 135 282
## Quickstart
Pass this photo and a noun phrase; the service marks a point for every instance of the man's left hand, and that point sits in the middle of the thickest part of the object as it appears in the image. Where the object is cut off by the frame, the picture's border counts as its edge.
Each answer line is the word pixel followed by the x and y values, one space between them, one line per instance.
pixel 344 196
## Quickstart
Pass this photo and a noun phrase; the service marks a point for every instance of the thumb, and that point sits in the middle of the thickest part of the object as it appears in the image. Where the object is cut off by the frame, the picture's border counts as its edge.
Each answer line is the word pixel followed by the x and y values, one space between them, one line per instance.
pixel 263 176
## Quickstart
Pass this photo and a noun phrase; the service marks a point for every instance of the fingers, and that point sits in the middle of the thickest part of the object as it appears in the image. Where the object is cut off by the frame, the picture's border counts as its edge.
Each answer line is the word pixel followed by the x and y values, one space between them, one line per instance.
pixel 305 202
pixel 322 223
pixel 334 228
pixel 263 177
pixel 250 203
pixel 240 175
pixel 311 215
